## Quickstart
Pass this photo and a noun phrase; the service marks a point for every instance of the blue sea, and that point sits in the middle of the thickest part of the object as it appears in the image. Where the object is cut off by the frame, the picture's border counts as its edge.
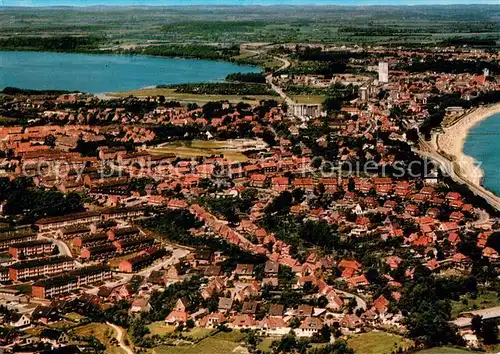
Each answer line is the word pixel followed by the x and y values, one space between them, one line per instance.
pixel 98 73
pixel 482 143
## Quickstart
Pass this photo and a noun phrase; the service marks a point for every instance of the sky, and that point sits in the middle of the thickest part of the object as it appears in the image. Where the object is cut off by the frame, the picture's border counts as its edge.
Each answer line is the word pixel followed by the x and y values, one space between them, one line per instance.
pixel 41 3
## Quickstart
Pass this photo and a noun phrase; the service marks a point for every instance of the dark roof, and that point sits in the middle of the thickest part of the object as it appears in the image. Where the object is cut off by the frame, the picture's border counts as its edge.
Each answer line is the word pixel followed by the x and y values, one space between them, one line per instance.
pixel 250 307
pixel 225 303
pixel 51 333
pixel 15 236
pixel 271 267
pixel 126 231
pixel 41 262
pixel 276 310
pixel 75 230
pixel 31 243
pixel 55 281
pixel 212 271
pixel 74 216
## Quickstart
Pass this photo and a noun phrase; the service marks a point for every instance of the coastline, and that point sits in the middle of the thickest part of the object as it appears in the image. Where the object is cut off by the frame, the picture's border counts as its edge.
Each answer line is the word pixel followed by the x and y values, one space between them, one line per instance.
pixel 452 141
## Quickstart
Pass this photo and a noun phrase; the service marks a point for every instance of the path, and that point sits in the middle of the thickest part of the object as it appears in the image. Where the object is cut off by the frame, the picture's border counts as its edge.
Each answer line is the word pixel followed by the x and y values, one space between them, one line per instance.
pixel 360 302
pixel 119 338
pixel 448 168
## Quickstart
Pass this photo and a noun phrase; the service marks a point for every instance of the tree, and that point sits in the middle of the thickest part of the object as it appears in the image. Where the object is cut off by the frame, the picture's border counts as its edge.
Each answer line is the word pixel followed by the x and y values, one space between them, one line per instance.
pixel 331 104
pixel 323 336
pixel 489 332
pixel 477 323
pixel 50 140
pixel 190 323
pixel 339 347
pixel 251 341
pixel 298 195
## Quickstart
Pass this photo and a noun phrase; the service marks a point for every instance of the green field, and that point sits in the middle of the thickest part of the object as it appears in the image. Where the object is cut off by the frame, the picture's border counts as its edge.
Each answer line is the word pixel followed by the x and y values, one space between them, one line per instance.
pixel 377 343
pixel 221 343
pixel 445 350
pixel 197 148
pixel 125 28
pixel 103 333
pixel 312 99
pixel 483 300
pixel 171 95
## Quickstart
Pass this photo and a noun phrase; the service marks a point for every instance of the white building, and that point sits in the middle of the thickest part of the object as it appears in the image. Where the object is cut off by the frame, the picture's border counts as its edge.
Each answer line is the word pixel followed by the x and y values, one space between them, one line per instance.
pixel 383 72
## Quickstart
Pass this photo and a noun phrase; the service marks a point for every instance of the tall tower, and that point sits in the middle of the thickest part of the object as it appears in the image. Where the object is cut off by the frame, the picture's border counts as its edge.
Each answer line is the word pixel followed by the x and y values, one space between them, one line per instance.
pixel 383 72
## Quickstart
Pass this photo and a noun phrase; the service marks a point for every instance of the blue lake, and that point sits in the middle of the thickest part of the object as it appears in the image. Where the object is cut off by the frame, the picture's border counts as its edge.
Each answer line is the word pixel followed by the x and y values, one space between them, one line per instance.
pixel 98 73
pixel 482 143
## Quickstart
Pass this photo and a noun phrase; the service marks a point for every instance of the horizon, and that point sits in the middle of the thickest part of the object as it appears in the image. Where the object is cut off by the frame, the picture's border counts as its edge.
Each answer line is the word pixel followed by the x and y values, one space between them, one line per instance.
pixel 187 3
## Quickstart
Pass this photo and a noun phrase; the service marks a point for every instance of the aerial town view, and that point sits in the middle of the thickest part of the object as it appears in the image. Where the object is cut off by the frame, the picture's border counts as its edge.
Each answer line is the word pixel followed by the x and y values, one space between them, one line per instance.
pixel 250 177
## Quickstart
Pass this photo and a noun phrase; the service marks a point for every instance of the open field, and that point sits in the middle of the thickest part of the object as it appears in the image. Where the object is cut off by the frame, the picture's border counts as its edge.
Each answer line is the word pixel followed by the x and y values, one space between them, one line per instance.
pixel 232 150
pixel 445 350
pixel 265 345
pixel 483 300
pixel 171 95
pixel 377 343
pixel 103 333
pixel 217 344
pixel 160 328
pixel 312 99
pixel 129 27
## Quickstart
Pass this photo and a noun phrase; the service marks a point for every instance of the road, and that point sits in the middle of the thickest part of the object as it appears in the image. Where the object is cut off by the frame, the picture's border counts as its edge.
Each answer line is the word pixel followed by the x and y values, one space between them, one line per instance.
pixel 269 78
pixel 119 338
pixel 176 255
pixel 448 167
pixel 360 303
pixel 63 249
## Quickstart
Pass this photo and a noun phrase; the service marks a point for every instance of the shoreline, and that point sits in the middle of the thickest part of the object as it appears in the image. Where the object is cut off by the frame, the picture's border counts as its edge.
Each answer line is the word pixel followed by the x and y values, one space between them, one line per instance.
pixel 452 141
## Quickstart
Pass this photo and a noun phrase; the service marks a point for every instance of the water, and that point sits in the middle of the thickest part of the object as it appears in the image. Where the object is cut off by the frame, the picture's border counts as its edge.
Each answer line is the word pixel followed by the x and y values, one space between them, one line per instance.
pixel 98 73
pixel 482 144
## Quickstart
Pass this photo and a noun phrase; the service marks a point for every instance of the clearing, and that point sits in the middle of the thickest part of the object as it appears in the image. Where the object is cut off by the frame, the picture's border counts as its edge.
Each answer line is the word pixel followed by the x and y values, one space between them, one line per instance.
pixel 171 95
pixel 231 149
pixel 376 342
pixel 444 350
pixel 223 342
pixel 104 333
pixel 483 300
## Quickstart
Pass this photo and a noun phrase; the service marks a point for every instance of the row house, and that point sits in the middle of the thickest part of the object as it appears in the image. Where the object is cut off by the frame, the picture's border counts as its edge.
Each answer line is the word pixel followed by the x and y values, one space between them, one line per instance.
pixel 128 246
pixel 124 213
pixel 31 248
pixel 98 252
pixel 123 233
pixel 40 267
pixel 65 284
pixel 8 239
pixel 48 224
pixel 142 261
pixel 91 240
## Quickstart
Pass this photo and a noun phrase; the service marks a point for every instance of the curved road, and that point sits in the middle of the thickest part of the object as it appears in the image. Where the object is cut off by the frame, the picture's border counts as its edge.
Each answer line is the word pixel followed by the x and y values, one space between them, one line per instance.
pixel 448 167
pixel 119 338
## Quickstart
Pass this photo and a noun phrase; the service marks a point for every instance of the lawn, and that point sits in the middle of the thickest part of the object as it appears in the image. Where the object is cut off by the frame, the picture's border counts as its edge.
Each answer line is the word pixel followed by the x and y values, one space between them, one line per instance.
pixel 265 345
pixel 312 99
pixel 160 328
pixel 376 342
pixel 75 316
pixel 197 148
pixel 483 300
pixel 444 350
pixel 171 95
pixel 221 343
pixel 198 333
pixel 101 332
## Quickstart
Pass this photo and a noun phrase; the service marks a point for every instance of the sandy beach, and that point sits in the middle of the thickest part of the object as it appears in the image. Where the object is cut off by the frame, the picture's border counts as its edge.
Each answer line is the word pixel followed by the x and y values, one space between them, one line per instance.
pixel 452 141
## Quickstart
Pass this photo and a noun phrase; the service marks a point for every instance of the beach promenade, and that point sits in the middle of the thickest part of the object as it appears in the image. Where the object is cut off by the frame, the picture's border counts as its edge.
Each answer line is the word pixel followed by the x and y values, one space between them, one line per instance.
pixel 446 149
